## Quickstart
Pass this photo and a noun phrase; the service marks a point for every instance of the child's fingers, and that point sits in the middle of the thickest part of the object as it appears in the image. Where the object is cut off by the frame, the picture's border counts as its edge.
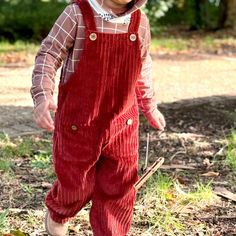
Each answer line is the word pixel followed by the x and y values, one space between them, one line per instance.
pixel 156 124
pixel 42 115
pixel 160 125
pixel 45 121
pixel 162 120
pixel 156 119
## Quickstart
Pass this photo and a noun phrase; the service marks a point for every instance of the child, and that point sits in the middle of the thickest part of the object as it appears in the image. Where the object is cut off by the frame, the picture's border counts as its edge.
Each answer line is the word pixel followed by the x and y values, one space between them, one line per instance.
pixel 105 78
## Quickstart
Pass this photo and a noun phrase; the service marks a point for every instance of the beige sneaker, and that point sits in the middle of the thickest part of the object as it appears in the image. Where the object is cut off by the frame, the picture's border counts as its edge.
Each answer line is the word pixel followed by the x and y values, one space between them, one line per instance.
pixel 53 228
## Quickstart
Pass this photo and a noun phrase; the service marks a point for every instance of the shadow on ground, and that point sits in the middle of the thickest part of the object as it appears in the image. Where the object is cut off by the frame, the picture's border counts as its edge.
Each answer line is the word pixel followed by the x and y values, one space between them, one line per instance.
pixel 206 116
pixel 196 131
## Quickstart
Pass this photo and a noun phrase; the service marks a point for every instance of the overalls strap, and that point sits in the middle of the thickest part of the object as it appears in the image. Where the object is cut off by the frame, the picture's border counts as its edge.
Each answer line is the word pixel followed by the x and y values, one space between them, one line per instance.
pixel 135 21
pixel 88 15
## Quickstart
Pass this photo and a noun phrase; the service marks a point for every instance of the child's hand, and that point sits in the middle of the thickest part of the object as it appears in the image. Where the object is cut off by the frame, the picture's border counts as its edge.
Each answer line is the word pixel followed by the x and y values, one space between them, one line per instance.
pixel 42 115
pixel 156 119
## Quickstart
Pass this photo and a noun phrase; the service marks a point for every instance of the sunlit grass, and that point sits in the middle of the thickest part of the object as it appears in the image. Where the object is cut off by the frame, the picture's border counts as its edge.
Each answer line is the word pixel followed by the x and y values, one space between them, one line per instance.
pixel 5 165
pixel 172 44
pixel 42 161
pixel 18 46
pixel 20 148
pixel 162 204
pixel 3 221
pixel 208 43
pixel 231 152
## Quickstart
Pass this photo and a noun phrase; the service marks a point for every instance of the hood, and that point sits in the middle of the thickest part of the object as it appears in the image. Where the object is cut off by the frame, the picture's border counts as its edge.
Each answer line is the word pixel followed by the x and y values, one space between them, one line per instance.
pixel 134 5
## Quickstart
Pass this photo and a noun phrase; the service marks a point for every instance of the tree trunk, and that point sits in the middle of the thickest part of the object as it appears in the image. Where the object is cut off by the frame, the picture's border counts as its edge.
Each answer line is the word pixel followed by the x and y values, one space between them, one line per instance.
pixel 199 14
pixel 231 14
pixel 227 17
pixel 222 13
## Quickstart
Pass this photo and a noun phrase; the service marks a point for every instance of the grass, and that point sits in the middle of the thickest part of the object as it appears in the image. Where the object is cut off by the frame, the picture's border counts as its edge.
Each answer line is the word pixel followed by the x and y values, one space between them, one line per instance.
pixel 22 147
pixel 42 161
pixel 27 189
pixel 173 43
pixel 3 221
pixel 207 43
pixel 18 46
pixel 163 204
pixel 5 165
pixel 231 152
pixel 20 52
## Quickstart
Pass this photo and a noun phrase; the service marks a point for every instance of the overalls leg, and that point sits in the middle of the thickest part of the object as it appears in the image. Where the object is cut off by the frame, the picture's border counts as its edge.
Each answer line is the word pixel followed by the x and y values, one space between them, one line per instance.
pixel 74 157
pixel 116 174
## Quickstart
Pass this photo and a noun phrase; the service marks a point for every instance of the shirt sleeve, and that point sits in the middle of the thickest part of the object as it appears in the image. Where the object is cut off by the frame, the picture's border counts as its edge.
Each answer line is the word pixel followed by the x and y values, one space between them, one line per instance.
pixel 144 88
pixel 52 53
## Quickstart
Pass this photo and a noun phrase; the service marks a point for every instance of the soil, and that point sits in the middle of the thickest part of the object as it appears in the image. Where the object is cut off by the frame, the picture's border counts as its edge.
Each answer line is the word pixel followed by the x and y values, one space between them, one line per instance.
pixel 197 95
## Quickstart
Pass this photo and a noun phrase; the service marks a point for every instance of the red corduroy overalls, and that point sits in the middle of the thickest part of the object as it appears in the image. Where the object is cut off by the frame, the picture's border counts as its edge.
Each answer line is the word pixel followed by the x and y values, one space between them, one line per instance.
pixel 95 143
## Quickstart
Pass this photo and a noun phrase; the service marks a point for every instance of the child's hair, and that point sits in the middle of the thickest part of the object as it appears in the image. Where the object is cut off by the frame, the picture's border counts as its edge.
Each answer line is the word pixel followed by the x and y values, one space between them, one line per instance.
pixel 131 4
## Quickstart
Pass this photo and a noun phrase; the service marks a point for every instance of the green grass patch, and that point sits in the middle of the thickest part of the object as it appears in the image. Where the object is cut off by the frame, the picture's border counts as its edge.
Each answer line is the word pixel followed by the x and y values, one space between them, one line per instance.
pixel 3 221
pixel 201 196
pixel 172 44
pixel 5 165
pixel 42 161
pixel 27 189
pixel 18 148
pixel 231 152
pixel 18 46
pixel 207 44
pixel 163 204
pixel 38 150
pixel 22 147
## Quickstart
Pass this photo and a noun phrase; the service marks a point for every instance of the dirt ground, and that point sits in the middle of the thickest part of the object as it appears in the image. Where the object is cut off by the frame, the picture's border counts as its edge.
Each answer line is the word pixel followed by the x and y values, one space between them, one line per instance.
pixel 176 77
pixel 196 93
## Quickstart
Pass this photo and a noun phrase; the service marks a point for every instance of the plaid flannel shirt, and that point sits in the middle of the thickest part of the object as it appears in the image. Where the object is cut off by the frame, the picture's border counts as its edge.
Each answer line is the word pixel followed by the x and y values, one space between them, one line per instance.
pixel 64 44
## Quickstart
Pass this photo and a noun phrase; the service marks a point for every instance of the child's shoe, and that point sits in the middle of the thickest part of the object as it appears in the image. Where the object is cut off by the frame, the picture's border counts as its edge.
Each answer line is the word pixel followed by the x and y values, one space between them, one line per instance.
pixel 53 228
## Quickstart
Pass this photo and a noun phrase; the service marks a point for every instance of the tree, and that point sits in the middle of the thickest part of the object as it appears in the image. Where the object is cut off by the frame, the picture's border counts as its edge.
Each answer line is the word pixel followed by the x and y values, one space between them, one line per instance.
pixel 155 9
pixel 227 17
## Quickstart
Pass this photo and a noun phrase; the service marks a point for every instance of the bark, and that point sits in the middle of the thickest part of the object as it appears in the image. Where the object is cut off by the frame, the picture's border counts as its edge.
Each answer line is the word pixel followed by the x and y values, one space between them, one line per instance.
pixel 222 13
pixel 227 17
pixel 200 14
pixel 231 14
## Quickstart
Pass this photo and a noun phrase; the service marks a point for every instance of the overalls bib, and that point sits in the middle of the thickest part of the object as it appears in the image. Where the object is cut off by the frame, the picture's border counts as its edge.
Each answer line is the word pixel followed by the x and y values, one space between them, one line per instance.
pixel 95 142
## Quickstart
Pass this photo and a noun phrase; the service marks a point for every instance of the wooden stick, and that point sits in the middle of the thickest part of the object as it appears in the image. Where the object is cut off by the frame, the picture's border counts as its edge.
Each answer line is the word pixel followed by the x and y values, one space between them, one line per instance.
pixel 147 151
pixel 157 164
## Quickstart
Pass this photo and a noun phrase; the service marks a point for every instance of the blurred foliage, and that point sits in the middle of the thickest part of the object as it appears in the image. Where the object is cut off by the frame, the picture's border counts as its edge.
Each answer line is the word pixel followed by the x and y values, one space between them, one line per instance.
pixel 196 14
pixel 32 19
pixel 28 19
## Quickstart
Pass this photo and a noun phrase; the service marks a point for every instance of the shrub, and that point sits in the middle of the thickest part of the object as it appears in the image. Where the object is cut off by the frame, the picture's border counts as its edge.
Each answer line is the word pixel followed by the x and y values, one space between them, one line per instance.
pixel 28 19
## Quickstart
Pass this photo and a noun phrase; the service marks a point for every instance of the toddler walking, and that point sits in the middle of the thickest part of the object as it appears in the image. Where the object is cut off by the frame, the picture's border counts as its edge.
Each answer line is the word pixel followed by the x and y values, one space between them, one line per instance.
pixel 105 79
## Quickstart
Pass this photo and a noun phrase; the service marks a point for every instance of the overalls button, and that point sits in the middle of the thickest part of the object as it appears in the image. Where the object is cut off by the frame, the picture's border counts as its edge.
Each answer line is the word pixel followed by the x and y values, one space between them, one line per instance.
pixel 133 37
pixel 74 127
pixel 129 122
pixel 93 36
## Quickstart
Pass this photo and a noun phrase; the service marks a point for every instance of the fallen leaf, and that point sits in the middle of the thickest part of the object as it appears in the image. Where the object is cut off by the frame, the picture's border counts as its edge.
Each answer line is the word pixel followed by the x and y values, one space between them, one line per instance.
pixel 225 193
pixel 46 185
pixel 210 174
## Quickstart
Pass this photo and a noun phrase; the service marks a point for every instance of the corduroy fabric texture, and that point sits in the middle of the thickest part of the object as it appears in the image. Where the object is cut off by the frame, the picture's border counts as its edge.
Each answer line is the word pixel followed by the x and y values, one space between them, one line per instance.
pixel 95 143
